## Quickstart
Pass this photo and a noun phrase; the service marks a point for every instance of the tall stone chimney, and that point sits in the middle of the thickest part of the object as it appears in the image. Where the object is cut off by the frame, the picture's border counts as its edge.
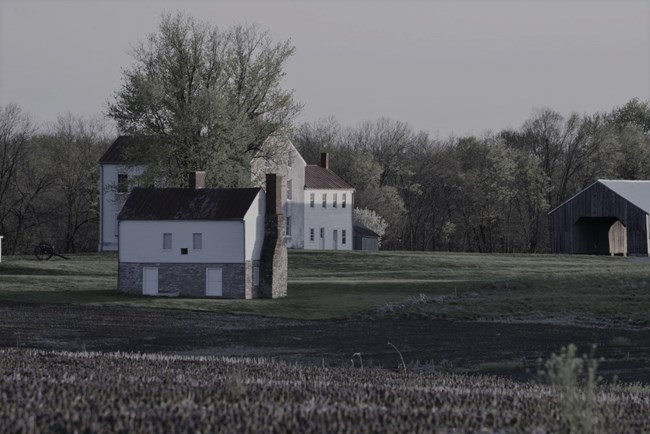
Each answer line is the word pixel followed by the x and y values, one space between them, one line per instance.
pixel 274 262
pixel 325 160
pixel 195 180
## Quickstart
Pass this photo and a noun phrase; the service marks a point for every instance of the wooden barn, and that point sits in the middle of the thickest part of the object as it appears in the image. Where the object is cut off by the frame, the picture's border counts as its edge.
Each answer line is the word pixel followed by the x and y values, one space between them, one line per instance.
pixel 608 217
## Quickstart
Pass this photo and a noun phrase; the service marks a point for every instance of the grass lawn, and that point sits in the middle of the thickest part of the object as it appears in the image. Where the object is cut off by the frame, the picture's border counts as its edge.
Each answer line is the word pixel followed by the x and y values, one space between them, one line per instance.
pixel 326 285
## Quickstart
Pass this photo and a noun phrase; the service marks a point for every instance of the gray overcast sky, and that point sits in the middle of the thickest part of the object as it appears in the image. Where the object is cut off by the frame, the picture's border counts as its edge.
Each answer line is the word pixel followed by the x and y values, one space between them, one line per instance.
pixel 442 66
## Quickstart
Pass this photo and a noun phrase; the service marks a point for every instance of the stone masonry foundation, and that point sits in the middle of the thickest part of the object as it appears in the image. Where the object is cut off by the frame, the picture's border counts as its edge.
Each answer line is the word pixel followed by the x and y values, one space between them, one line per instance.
pixel 189 279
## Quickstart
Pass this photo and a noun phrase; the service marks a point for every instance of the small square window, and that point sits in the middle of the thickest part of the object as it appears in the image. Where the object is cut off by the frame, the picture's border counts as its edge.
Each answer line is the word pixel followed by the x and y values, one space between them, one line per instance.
pixel 167 241
pixel 197 241
pixel 183 250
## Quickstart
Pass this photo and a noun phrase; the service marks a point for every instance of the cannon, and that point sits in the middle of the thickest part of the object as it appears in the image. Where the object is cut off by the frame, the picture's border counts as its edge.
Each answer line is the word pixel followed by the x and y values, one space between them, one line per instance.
pixel 44 251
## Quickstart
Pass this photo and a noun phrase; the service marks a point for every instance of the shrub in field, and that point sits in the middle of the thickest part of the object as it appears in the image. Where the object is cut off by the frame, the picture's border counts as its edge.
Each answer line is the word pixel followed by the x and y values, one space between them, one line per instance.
pixel 576 385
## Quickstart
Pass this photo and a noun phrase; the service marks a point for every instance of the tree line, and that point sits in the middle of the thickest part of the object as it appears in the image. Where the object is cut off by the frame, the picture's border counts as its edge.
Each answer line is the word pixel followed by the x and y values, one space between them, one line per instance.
pixel 49 181
pixel 481 193
pixel 487 193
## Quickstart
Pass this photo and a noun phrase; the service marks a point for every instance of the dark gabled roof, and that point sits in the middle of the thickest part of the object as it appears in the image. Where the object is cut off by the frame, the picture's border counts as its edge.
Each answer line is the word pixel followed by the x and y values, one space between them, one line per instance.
pixel 186 204
pixel 362 231
pixel 319 177
pixel 125 149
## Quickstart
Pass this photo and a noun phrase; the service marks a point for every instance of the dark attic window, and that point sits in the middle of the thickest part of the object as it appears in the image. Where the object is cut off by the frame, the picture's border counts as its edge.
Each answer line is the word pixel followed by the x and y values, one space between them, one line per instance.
pixel 183 250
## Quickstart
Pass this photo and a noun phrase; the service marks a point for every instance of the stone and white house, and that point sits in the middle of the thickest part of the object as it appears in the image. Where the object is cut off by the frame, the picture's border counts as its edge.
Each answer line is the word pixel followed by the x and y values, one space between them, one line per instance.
pixel 317 204
pixel 199 242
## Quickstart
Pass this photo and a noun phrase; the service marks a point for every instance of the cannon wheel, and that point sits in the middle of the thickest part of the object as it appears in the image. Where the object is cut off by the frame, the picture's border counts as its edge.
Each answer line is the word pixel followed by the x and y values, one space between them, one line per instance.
pixel 43 251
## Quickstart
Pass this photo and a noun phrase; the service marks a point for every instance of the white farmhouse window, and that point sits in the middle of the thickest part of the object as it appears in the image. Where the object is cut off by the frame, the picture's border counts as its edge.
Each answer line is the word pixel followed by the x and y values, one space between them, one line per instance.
pixel 288 226
pixel 167 241
pixel 312 199
pixel 334 200
pixel 122 183
pixel 324 200
pixel 343 236
pixel 197 241
pixel 256 276
pixel 289 189
pixel 311 234
pixel 345 196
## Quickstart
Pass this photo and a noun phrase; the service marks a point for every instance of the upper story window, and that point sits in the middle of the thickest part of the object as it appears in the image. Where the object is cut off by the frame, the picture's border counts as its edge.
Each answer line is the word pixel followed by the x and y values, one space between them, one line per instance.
pixel 324 200
pixel 343 201
pixel 289 189
pixel 167 241
pixel 334 199
pixel 197 241
pixel 122 183
pixel 312 199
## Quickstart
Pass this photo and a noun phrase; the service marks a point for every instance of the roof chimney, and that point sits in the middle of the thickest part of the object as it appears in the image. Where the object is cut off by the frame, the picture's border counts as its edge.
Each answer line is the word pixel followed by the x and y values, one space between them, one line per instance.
pixel 196 180
pixel 325 160
pixel 273 194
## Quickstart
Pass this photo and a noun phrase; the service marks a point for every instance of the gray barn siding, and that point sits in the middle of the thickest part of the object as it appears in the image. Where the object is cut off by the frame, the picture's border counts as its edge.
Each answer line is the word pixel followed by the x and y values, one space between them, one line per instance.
pixel 598 201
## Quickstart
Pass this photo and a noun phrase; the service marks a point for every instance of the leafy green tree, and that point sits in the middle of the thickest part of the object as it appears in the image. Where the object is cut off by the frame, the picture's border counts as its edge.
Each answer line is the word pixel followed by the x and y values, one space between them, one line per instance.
pixel 209 97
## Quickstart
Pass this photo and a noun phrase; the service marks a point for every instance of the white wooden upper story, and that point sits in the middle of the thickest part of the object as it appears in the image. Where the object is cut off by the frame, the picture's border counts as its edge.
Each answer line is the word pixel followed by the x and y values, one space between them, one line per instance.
pixel 200 234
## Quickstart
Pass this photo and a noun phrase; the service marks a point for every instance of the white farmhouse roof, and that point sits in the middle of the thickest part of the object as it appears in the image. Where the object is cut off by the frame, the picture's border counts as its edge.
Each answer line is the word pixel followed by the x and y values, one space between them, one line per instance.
pixel 635 192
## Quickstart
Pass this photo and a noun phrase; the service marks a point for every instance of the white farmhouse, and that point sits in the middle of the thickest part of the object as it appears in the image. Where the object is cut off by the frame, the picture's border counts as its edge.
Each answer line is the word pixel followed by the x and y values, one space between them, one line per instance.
pixel 328 204
pixel 116 173
pixel 200 242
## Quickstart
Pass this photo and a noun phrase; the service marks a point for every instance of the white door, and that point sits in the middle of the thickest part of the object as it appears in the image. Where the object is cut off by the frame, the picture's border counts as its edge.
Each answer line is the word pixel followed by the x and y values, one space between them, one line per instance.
pixel 322 238
pixel 150 281
pixel 213 282
pixel 336 238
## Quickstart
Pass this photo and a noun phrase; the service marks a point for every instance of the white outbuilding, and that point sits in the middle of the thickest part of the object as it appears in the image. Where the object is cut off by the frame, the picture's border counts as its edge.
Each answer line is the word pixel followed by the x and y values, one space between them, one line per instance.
pixel 200 242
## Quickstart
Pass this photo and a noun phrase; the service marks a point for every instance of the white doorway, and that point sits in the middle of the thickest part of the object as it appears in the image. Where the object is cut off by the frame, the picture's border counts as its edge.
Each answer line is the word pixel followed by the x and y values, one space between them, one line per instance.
pixel 213 282
pixel 150 281
pixel 322 238
pixel 336 239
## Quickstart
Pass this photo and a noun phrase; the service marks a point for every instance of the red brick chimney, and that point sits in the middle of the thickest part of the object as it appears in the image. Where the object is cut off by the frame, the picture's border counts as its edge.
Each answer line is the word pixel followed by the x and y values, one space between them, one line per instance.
pixel 325 160
pixel 196 180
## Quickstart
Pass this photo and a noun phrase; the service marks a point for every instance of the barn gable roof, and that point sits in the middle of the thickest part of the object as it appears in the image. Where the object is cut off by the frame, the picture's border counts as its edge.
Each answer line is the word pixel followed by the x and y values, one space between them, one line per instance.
pixel 321 178
pixel 188 204
pixel 637 192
